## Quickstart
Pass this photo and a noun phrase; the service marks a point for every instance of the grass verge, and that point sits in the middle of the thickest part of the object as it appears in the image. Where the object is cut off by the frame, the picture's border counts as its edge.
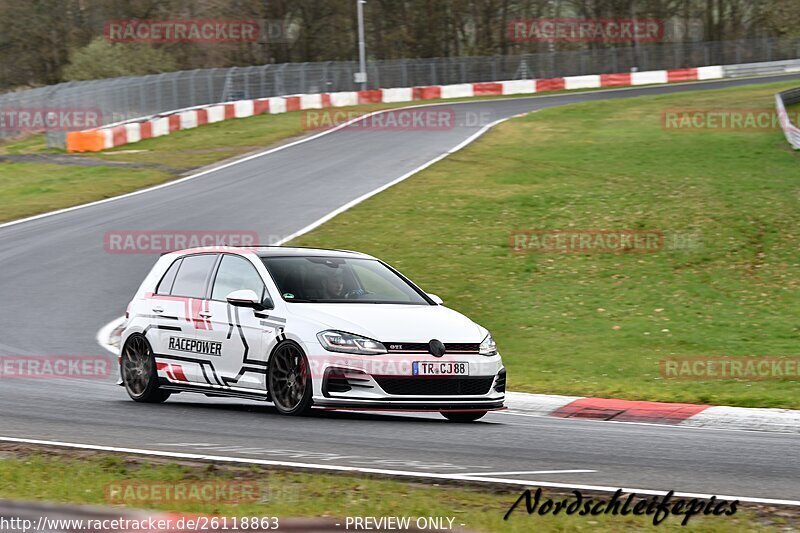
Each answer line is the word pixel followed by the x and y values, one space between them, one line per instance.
pixel 599 324
pixel 85 478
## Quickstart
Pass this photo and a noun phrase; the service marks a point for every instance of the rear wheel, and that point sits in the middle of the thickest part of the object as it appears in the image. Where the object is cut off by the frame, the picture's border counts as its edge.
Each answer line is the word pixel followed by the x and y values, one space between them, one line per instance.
pixel 463 416
pixel 290 380
pixel 139 373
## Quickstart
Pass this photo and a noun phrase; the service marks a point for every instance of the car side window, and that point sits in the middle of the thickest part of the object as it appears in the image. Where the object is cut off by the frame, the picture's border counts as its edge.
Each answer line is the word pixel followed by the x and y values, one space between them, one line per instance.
pixel 236 273
pixel 193 275
pixel 165 285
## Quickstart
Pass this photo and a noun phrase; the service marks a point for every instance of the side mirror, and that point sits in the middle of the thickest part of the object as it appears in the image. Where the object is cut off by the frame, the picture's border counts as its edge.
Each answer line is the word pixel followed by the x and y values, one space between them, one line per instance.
pixel 245 298
pixel 436 299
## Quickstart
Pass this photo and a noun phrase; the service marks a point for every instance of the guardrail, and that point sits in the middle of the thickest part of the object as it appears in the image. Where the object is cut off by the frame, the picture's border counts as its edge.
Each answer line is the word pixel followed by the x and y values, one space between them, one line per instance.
pixel 110 136
pixel 791 131
pixel 131 131
pixel 762 68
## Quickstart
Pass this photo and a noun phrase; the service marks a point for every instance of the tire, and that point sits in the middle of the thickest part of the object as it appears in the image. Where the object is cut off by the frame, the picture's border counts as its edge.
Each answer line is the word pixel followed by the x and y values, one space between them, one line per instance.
pixel 289 380
pixel 138 370
pixel 463 416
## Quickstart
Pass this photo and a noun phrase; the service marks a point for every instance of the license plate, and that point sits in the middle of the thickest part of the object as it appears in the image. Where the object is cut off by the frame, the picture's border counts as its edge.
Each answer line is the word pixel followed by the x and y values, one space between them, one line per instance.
pixel 444 368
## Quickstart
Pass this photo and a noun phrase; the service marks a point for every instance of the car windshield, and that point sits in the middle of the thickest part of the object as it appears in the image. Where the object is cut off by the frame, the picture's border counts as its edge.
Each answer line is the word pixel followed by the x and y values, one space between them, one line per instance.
pixel 339 280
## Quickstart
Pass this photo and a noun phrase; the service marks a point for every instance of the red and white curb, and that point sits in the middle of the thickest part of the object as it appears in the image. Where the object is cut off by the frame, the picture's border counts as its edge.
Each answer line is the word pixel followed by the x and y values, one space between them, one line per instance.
pixel 661 413
pixel 182 119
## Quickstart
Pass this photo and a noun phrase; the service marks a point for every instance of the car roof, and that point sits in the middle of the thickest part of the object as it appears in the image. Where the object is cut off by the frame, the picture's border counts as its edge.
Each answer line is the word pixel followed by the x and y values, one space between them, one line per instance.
pixel 300 251
pixel 275 251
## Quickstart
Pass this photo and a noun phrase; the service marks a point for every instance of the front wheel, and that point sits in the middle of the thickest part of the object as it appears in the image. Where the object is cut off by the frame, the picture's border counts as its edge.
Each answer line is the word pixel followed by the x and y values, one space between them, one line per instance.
pixel 139 373
pixel 290 380
pixel 463 416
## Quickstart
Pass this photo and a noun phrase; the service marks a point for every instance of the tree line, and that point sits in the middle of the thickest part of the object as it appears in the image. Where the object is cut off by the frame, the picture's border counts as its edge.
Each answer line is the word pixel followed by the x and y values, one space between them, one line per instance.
pixel 49 41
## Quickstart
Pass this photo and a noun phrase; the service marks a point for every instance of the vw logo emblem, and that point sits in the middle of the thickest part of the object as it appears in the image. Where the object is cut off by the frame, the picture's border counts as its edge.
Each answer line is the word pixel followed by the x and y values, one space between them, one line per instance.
pixel 436 347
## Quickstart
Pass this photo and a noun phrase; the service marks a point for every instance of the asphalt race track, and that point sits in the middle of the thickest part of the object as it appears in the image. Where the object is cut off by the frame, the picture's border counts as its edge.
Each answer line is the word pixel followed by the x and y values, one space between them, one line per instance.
pixel 59 286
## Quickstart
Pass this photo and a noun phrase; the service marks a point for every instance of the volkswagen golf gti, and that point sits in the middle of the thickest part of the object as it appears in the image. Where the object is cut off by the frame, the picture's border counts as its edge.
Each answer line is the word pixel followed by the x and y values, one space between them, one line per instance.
pixel 303 328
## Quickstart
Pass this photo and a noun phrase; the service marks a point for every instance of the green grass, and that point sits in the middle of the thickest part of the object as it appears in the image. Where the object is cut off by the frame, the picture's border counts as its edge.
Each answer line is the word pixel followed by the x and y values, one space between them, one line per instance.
pixel 83 478
pixel 598 324
pixel 31 188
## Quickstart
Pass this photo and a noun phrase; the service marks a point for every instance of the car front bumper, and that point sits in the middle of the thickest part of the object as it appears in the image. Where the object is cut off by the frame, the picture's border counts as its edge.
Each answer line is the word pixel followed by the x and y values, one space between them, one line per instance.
pixel 387 382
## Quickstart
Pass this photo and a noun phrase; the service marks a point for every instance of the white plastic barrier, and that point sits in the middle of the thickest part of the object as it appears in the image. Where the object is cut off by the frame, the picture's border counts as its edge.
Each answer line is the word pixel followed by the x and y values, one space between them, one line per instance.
pixel 344 99
pixel 277 104
pixel 519 86
pixel 133 132
pixel 403 94
pixel 709 73
pixel 582 82
pixel 159 126
pixel 243 108
pixel 215 113
pixel 461 90
pixel 188 119
pixel 649 77
pixel 108 138
pixel 310 101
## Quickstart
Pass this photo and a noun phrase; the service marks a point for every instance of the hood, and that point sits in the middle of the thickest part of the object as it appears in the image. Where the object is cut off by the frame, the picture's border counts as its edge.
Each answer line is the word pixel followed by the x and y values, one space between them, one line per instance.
pixel 392 322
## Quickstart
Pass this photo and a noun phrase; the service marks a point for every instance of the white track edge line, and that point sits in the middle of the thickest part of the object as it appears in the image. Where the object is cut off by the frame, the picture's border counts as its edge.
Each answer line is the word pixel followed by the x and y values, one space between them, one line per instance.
pixel 518 473
pixel 387 472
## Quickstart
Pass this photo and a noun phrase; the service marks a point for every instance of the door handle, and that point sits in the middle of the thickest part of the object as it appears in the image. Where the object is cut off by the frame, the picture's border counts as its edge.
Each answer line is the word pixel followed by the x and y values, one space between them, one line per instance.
pixel 158 309
pixel 204 314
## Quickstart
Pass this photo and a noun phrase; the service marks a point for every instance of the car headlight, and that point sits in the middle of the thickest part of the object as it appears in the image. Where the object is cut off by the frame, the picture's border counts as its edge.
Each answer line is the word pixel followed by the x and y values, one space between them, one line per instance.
pixel 488 347
pixel 339 341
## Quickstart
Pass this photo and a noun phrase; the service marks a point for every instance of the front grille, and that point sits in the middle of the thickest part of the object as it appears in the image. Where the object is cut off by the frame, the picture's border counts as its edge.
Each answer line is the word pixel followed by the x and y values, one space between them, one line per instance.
pixel 440 386
pixel 451 347
pixel 462 347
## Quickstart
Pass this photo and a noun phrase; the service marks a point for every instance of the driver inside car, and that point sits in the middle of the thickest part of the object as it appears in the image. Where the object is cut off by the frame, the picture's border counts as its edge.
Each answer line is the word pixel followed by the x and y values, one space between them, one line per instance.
pixel 334 287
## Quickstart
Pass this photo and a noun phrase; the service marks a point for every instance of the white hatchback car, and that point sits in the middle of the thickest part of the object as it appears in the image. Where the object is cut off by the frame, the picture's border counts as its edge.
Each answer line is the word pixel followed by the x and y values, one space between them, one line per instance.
pixel 304 327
